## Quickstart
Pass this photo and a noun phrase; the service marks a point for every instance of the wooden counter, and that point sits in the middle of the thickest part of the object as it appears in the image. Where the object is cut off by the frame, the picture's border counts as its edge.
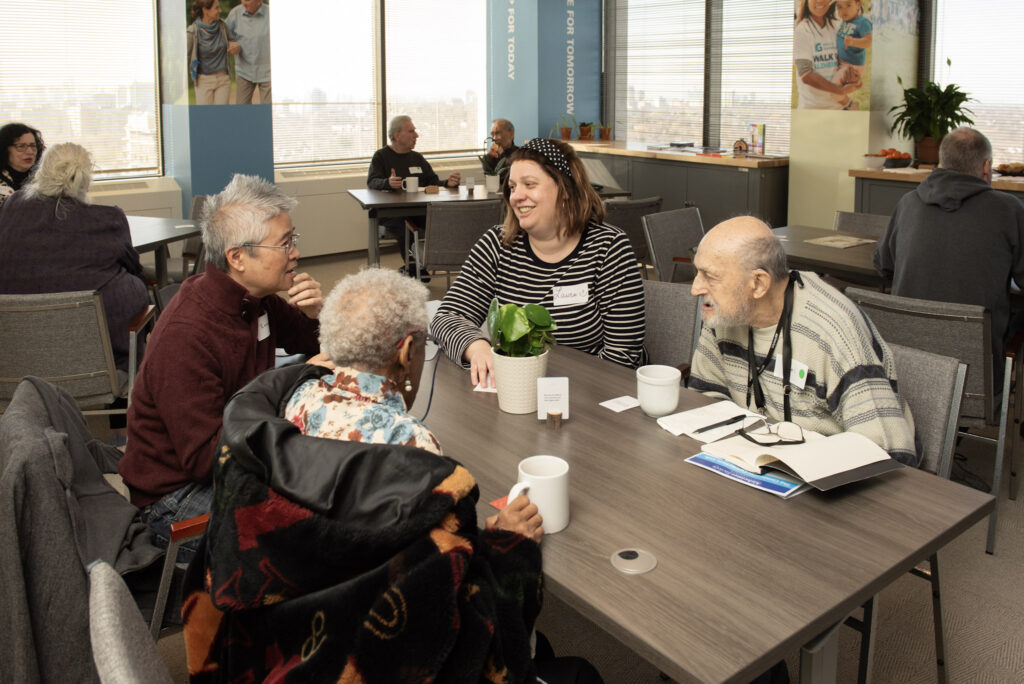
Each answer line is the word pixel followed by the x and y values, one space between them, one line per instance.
pixel 643 151
pixel 721 187
pixel 879 191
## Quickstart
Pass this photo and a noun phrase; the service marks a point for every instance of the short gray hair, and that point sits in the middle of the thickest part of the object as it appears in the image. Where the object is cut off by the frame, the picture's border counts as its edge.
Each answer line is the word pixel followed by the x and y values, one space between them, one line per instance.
pixel 965 150
pixel 239 215
pixel 367 313
pixel 766 253
pixel 395 127
pixel 507 125
pixel 65 170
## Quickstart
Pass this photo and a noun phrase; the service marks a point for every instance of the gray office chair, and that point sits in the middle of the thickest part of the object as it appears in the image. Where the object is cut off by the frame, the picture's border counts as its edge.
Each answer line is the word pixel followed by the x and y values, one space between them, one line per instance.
pixel 962 331
pixel 452 228
pixel 63 338
pixel 673 235
pixel 933 386
pixel 628 215
pixel 868 225
pixel 672 324
pixel 192 253
pixel 122 649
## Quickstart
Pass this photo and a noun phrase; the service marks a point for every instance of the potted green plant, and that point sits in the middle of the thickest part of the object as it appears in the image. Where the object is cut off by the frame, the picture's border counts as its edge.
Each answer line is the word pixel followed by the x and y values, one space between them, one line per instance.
pixel 566 122
pixel 927 114
pixel 604 131
pixel 586 130
pixel 520 337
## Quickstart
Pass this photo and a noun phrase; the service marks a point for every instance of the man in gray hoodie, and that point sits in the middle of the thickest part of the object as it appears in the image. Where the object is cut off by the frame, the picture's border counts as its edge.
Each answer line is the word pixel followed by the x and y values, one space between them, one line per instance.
pixel 955 239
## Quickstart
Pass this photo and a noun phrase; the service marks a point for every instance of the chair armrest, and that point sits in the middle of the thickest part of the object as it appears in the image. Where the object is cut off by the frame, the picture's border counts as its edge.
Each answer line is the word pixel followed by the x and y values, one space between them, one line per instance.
pixel 142 319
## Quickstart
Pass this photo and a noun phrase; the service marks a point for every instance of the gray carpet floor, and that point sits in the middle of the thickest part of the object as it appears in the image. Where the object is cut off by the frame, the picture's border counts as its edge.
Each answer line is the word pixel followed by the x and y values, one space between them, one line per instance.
pixel 982 606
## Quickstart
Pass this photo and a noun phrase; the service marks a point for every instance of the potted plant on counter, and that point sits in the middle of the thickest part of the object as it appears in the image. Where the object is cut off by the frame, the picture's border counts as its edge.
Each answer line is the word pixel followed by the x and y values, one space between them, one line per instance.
pixel 520 337
pixel 605 132
pixel 564 126
pixel 586 130
pixel 927 114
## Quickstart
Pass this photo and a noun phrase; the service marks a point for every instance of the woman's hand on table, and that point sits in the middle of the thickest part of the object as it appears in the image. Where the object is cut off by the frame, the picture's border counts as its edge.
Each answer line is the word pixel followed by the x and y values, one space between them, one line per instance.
pixel 519 516
pixel 481 363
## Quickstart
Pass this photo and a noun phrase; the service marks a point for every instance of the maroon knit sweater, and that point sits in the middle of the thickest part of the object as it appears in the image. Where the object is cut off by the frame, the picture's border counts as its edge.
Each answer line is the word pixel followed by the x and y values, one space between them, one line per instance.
pixel 202 351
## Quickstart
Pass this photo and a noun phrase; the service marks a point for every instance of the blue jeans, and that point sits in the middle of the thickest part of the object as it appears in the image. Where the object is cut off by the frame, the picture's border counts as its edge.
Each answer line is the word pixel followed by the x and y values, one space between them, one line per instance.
pixel 181 504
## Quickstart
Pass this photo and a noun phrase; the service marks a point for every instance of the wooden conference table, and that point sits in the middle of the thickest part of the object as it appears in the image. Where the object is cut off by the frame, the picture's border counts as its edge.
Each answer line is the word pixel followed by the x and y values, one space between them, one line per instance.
pixel 852 264
pixel 743 578
pixel 387 204
pixel 153 234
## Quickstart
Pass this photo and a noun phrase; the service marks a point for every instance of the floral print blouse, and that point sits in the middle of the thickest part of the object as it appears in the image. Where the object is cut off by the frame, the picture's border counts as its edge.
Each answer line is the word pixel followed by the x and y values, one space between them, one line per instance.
pixel 356 406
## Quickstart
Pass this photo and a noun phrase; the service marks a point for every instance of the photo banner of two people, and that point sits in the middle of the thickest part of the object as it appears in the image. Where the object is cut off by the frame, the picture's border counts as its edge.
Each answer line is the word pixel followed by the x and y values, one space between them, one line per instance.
pixel 228 48
pixel 832 54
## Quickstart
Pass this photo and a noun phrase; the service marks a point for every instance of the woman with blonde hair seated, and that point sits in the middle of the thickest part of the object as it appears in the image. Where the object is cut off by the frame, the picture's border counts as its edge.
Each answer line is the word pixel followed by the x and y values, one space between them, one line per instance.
pixel 53 240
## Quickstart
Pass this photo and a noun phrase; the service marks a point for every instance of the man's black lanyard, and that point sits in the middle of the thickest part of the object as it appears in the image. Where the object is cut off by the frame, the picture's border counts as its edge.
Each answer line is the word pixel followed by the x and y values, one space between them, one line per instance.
pixel 754 370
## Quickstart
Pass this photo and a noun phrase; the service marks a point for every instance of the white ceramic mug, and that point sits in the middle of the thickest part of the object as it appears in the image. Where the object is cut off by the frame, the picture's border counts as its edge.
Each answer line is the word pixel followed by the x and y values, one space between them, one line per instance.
pixel 492 183
pixel 470 184
pixel 545 480
pixel 411 183
pixel 657 389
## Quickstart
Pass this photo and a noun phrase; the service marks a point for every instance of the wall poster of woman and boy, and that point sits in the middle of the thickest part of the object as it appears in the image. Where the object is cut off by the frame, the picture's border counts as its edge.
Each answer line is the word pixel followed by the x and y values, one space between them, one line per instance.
pixel 830 53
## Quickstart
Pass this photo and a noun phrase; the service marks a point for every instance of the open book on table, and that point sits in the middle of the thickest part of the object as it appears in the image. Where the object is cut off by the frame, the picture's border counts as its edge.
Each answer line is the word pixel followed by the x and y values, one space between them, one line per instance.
pixel 822 462
pixel 771 481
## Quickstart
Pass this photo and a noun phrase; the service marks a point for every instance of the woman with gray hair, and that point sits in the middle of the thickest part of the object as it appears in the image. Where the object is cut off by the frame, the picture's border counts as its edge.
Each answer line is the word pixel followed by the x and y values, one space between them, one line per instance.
pixel 53 240
pixel 373 332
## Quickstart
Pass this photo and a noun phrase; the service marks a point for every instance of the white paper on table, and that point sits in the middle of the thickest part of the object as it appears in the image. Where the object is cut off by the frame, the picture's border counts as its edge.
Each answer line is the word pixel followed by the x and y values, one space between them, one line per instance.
pixel 485 388
pixel 552 395
pixel 620 404
pixel 688 422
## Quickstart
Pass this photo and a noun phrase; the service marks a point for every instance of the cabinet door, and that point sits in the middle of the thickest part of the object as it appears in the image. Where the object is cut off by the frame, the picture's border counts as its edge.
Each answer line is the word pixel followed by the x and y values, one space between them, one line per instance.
pixel 720 192
pixel 660 178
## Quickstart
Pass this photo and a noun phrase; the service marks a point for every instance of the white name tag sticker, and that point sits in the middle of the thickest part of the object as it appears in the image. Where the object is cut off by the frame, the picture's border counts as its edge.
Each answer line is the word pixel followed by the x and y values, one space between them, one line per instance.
pixel 413 170
pixel 797 372
pixel 566 295
pixel 263 328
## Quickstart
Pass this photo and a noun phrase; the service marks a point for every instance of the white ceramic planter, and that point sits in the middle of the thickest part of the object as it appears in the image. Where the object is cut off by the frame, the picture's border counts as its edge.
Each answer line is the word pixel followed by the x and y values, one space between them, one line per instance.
pixel 516 378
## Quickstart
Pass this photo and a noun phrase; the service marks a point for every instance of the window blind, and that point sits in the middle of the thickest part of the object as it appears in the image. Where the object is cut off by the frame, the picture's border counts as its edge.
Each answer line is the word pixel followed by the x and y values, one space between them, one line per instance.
pixel 85 75
pixel 978 38
pixel 435 56
pixel 325 83
pixel 659 72
pixel 756 71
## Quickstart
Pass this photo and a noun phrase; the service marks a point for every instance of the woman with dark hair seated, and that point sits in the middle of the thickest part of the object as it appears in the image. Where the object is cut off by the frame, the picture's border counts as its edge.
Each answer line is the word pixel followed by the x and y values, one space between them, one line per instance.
pixel 21 147
pixel 53 240
pixel 342 546
pixel 553 250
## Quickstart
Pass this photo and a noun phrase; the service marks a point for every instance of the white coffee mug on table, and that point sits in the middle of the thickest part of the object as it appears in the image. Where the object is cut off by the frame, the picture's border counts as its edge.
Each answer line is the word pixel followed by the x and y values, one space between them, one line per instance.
pixel 411 183
pixel 657 389
pixel 545 480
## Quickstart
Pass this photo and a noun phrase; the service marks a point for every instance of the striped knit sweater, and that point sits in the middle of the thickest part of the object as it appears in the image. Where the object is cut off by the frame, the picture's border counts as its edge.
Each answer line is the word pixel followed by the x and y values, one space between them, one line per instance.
pixel 851 379
pixel 610 323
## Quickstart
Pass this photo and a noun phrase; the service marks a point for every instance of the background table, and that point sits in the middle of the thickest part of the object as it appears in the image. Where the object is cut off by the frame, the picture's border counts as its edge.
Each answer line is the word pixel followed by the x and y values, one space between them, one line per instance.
pixel 386 204
pixel 743 578
pixel 852 263
pixel 153 234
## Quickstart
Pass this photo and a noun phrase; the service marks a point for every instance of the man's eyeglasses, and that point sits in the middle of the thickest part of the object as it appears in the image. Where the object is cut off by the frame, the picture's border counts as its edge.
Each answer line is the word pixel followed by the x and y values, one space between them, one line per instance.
pixel 773 435
pixel 21 147
pixel 292 243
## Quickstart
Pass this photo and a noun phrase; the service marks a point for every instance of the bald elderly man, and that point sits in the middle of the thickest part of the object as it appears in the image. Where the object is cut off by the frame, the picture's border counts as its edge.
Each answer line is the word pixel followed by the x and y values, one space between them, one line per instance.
pixel 841 373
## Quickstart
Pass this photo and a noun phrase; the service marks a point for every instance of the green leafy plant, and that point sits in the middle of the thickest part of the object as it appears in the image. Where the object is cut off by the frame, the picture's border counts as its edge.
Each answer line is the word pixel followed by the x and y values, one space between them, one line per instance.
pixel 588 124
pixel 520 330
pixel 564 121
pixel 930 111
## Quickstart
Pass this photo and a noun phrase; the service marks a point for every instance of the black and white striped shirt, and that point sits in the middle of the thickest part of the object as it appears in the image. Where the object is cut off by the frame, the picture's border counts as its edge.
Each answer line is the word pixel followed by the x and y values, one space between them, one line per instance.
pixel 605 317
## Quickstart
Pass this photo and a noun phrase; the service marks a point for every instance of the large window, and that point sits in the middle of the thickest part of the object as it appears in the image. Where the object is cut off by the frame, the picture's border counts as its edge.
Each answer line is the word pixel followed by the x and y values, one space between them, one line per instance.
pixel 978 39
pixel 697 71
pixel 329 91
pixel 84 74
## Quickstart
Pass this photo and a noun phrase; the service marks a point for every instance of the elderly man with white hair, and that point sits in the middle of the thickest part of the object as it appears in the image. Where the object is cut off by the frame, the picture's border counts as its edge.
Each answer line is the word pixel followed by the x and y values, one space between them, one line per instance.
pixel 219 332
pixel 789 346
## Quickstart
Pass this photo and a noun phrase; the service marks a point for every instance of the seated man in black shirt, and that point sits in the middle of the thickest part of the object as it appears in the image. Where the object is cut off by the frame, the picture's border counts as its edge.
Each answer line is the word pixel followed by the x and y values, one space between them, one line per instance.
pixel 396 161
